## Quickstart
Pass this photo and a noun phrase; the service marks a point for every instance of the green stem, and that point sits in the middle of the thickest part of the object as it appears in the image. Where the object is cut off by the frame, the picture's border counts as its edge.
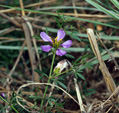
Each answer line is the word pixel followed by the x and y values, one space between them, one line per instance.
pixel 61 73
pixel 8 103
pixel 52 65
pixel 48 79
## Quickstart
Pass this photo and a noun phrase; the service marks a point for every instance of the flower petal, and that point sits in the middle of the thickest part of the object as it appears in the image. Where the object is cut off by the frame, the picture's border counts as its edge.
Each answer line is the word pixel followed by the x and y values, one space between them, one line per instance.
pixel 3 95
pixel 60 52
pixel 67 44
pixel 45 37
pixel 46 48
pixel 60 34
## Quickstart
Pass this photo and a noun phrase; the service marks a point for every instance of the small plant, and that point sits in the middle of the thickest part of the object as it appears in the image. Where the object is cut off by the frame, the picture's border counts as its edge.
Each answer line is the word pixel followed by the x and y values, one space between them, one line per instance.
pixel 58 76
pixel 55 51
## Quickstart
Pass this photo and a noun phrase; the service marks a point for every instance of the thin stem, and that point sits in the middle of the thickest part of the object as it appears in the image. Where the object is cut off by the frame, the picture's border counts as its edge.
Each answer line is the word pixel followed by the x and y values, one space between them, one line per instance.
pixel 61 73
pixel 8 103
pixel 48 79
pixel 52 65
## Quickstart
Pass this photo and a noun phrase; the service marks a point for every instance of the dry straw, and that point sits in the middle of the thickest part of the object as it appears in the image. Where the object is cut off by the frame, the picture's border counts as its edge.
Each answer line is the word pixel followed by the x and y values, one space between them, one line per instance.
pixel 102 66
pixel 34 83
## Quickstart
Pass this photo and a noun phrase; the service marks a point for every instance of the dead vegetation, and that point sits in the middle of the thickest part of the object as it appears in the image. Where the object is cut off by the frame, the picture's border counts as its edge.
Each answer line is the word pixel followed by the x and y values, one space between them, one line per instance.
pixel 26 22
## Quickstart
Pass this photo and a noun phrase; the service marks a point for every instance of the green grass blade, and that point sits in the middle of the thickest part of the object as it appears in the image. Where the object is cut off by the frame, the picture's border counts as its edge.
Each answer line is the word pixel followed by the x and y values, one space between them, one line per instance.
pixel 71 49
pixel 68 7
pixel 94 22
pixel 116 3
pixel 108 12
pixel 83 34
pixel 72 18
pixel 105 57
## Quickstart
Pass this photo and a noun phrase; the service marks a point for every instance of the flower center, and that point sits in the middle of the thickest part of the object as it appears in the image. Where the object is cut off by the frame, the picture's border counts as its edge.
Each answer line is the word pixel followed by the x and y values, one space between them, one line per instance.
pixel 56 43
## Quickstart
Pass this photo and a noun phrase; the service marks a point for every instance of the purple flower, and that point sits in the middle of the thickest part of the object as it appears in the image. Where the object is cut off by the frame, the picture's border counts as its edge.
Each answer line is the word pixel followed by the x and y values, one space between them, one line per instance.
pixel 55 43
pixel 3 95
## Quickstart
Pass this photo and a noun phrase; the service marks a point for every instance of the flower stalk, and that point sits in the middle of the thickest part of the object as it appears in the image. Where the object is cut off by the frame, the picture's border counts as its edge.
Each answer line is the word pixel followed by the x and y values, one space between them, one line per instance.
pixel 54 44
pixel 8 103
pixel 51 69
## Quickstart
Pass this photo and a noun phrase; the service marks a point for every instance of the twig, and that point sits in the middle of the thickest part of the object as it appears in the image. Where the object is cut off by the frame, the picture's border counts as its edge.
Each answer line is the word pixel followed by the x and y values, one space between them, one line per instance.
pixel 111 86
pixel 9 39
pixel 30 50
pixel 18 58
pixel 22 7
pixel 25 85
pixel 27 6
pixel 7 30
pixel 117 66
pixel 27 72
pixel 75 11
pixel 53 21
pixel 38 4
pixel 51 91
pixel 28 36
pixel 82 15
pixel 8 81
pixel 7 10
pixel 34 41
pixel 79 97
pixel 111 96
pixel 109 109
pixel 11 20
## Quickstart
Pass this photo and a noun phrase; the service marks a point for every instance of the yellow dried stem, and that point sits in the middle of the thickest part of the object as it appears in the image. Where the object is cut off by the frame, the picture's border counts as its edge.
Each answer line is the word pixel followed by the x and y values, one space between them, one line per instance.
pixel 106 74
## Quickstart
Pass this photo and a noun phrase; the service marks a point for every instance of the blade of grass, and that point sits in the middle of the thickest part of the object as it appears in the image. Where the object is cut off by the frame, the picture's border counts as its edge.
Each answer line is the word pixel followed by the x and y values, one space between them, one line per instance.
pixel 73 49
pixel 116 3
pixel 72 18
pixel 68 7
pixel 81 34
pixel 95 61
pixel 108 12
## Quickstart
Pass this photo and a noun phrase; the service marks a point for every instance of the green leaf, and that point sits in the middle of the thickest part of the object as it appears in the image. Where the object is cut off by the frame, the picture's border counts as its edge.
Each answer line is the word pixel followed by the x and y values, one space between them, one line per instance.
pixel 37 37
pixel 69 56
pixel 84 58
pixel 58 23
pixel 75 37
pixel 61 84
pixel 60 78
pixel 40 72
pixel 79 71
pixel 76 62
pixel 80 75
pixel 89 92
